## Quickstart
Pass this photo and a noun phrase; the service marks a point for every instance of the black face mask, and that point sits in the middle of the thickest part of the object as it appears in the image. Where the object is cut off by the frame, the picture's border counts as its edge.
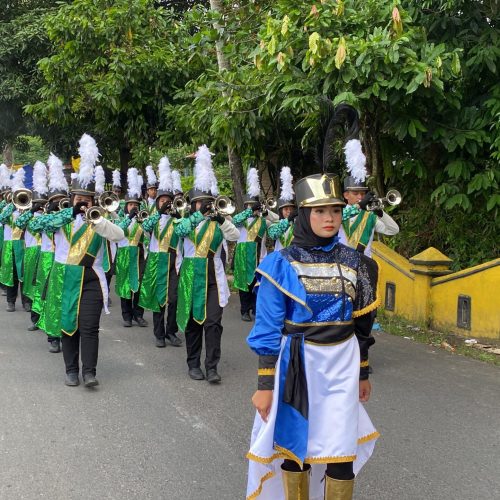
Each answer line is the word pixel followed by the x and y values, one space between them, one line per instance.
pixel 303 235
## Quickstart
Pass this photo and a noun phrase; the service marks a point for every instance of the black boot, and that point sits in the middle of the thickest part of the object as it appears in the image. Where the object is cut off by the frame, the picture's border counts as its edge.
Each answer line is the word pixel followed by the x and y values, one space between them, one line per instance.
pixel 55 345
pixel 72 379
pixel 11 307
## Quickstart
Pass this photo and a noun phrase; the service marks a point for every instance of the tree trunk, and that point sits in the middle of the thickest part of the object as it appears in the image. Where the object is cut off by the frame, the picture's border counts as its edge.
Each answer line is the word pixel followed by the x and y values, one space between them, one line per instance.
pixel 124 163
pixel 235 164
pixel 8 155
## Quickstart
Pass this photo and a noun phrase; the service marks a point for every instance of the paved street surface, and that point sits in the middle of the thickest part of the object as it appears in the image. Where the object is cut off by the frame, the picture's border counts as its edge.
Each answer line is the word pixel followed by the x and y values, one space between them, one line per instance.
pixel 149 432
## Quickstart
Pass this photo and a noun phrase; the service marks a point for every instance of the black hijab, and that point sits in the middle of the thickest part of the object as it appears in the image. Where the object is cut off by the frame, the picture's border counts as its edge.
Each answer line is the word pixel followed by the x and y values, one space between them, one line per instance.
pixel 303 235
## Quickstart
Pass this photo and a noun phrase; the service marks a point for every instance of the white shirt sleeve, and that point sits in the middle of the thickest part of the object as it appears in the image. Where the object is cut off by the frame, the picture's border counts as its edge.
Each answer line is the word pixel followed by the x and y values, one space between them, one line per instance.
pixel 386 225
pixel 108 230
pixel 271 217
pixel 229 231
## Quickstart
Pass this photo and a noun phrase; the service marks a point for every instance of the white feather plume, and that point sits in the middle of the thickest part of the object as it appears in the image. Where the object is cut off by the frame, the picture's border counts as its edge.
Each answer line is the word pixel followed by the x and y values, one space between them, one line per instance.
pixel 165 173
pixel 40 178
pixel 57 179
pixel 214 187
pixel 253 183
pixel 117 179
pixel 88 157
pixel 134 190
pixel 204 177
pixel 4 176
pixel 355 160
pixel 140 181
pixel 287 193
pixel 74 176
pixel 151 176
pixel 176 181
pixel 100 180
pixel 18 179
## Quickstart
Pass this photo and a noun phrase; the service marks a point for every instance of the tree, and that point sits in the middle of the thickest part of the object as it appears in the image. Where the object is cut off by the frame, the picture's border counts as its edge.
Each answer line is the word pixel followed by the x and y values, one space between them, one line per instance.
pixel 113 69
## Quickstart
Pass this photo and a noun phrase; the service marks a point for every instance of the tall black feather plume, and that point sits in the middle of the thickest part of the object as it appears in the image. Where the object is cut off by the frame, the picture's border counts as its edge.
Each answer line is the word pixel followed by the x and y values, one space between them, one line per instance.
pixel 330 118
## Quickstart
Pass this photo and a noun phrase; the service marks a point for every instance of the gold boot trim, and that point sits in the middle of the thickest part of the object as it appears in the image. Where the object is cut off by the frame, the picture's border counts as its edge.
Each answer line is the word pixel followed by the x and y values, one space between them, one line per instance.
pixel 336 489
pixel 296 484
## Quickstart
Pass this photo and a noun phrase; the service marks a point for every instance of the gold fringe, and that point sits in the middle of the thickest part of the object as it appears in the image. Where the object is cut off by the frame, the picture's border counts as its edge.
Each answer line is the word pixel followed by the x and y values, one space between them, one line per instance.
pixel 266 371
pixel 330 460
pixel 258 491
pixel 364 364
pixel 288 454
pixel 369 437
pixel 369 308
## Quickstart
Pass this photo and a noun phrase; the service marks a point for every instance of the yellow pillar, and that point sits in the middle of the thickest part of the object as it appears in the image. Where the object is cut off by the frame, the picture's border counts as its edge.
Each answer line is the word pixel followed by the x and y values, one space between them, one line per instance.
pixel 425 266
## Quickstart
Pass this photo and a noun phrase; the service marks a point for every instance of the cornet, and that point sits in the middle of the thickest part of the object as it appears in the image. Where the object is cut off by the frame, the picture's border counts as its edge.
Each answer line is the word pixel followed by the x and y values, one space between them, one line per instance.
pixel 22 199
pixel 393 198
pixel 179 205
pixel 64 203
pixel 270 203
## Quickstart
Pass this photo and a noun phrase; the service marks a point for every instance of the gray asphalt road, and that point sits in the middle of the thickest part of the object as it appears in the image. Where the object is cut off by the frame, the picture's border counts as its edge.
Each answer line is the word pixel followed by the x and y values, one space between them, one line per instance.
pixel 149 432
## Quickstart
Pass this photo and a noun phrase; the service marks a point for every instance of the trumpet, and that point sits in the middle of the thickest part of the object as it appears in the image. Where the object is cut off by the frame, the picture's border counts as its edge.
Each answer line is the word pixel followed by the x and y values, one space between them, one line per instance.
pixel 109 201
pixel 179 205
pixel 22 199
pixel 269 203
pixel 64 203
pixel 222 205
pixel 142 215
pixel 393 198
pixel 94 214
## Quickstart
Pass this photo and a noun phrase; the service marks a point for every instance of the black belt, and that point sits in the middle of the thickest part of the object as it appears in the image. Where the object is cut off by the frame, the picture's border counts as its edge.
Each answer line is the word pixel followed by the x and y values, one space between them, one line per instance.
pixel 295 390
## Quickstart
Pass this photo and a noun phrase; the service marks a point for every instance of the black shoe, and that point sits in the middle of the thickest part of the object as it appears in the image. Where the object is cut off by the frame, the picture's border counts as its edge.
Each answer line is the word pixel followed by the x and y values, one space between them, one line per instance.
pixel 33 328
pixel 212 376
pixel 246 317
pixel 89 380
pixel 196 374
pixel 72 379
pixel 251 313
pixel 11 307
pixel 27 307
pixel 141 322
pixel 160 343
pixel 55 345
pixel 173 340
pixel 127 323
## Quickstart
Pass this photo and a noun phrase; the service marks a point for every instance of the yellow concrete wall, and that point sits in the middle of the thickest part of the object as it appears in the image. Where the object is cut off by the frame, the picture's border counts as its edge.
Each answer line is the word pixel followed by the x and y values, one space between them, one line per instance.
pixel 396 269
pixel 434 301
pixel 482 284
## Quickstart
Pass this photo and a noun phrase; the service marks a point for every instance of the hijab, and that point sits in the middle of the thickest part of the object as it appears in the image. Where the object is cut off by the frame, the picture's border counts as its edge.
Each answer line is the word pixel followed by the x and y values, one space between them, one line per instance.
pixel 304 236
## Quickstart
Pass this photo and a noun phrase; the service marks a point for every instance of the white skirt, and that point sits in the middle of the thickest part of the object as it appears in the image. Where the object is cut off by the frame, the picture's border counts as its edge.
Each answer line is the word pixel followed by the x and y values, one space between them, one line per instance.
pixel 340 430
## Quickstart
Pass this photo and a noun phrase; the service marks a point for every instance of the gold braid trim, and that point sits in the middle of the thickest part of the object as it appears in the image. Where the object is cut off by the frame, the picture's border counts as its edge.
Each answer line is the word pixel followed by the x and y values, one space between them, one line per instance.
pixel 369 308
pixel 266 371
pixel 369 437
pixel 290 455
pixel 262 460
pixel 263 479
pixel 330 460
pixel 364 364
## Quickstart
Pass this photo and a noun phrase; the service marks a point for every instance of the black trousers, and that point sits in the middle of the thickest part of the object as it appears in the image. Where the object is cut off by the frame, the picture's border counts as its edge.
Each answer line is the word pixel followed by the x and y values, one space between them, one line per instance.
pixel 12 291
pixel 341 470
pixel 212 326
pixel 160 328
pixel 131 309
pixel 248 299
pixel 34 316
pixel 86 338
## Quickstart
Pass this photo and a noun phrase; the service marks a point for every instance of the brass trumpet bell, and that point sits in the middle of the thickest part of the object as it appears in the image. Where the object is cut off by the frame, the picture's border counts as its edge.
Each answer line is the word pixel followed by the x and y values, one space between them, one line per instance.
pixel 109 201
pixel 180 204
pixel 142 215
pixel 393 197
pixel 64 203
pixel 270 203
pixel 223 205
pixel 94 214
pixel 22 199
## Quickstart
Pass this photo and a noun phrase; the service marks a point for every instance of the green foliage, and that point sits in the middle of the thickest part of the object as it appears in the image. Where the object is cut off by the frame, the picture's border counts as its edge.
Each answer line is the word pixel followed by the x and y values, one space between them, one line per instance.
pixel 29 149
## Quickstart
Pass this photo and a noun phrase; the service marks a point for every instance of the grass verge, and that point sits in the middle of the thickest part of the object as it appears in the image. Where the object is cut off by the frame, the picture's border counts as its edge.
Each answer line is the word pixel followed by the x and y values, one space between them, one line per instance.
pixel 450 342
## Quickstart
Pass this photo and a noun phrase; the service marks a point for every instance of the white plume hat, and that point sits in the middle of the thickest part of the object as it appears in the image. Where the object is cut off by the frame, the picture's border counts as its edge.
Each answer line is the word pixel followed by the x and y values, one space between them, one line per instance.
pixel 40 188
pixel 58 185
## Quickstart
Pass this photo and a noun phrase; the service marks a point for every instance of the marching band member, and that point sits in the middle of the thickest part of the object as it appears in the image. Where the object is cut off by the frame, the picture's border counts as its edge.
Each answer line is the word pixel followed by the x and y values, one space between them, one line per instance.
pixel 311 433
pixel 160 279
pixel 151 190
pixel 129 264
pixel 252 223
pixel 11 270
pixel 360 225
pixel 4 190
pixel 203 289
pixel 32 240
pixel 77 290
pixel 282 232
